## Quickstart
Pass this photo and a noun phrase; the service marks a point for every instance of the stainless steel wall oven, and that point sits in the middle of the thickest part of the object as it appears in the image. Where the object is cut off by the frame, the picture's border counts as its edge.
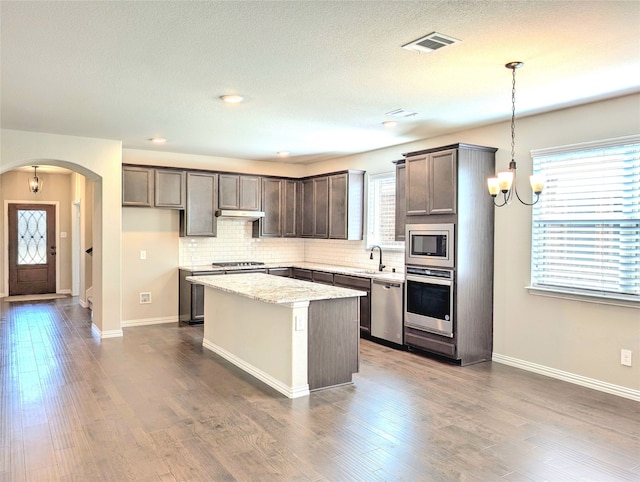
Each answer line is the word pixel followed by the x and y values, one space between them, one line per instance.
pixel 429 300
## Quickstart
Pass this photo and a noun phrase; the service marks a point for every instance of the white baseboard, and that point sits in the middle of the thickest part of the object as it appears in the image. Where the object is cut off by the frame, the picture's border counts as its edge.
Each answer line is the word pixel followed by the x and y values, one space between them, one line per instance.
pixel 105 334
pixel 83 303
pixel 64 292
pixel 568 377
pixel 286 390
pixel 149 321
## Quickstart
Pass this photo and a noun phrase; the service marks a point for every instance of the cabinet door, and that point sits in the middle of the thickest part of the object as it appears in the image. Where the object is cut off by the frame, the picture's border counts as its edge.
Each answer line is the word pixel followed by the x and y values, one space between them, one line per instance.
pixel 229 191
pixel 442 185
pixel 202 196
pixel 321 207
pixel 361 284
pixel 417 192
pixel 137 186
pixel 401 206
pixel 249 193
pixel 290 205
pixel 338 208
pixel 170 188
pixel 271 224
pixel 308 209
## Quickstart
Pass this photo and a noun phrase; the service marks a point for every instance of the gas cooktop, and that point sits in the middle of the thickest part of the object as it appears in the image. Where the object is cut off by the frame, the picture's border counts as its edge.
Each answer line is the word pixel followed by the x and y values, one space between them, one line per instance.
pixel 225 264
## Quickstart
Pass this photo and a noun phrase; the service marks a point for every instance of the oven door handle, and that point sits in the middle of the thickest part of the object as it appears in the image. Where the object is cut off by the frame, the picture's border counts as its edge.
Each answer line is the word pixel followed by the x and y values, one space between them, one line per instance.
pixel 429 279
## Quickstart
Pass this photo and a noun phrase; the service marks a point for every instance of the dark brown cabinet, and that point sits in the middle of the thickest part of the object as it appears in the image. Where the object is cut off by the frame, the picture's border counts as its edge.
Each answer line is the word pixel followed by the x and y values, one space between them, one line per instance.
pixel 198 218
pixel 431 183
pixel 191 296
pixel 153 187
pixel 239 192
pixel 360 284
pixel 291 208
pixel 170 188
pixel 401 209
pixel 315 207
pixel 346 205
pixel 272 205
pixel 137 186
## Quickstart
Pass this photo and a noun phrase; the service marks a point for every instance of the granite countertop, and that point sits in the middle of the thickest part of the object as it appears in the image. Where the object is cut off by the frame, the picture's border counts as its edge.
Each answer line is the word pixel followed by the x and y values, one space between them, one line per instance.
pixel 274 289
pixel 329 268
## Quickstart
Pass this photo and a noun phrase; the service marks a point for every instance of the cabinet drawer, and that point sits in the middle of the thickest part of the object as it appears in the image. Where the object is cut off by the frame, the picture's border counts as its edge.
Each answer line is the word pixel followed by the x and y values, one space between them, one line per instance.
pixel 323 277
pixel 352 282
pixel 299 273
pixel 286 272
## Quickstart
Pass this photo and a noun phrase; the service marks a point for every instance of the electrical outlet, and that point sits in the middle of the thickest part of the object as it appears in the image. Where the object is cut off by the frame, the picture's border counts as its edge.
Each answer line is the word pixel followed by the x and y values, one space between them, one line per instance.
pixel 143 254
pixel 299 323
pixel 145 298
pixel 625 357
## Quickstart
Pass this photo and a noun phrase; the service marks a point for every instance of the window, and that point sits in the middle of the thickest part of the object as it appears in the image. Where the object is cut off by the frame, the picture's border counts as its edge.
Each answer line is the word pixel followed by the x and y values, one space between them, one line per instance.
pixel 381 207
pixel 586 226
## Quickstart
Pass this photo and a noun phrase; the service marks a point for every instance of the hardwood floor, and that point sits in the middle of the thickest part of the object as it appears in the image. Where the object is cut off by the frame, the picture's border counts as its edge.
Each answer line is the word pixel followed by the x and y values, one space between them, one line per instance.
pixel 154 405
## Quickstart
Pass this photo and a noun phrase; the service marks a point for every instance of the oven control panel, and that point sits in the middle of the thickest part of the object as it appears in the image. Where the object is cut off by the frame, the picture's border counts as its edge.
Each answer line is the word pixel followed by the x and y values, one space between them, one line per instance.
pixel 433 273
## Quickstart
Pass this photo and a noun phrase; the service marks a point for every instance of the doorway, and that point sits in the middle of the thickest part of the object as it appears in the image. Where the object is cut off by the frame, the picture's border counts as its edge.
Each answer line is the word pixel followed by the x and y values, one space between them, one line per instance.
pixel 32 248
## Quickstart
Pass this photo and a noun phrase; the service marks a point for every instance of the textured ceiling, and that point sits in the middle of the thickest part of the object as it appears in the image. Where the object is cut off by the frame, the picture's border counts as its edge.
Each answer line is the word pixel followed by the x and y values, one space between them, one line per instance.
pixel 317 76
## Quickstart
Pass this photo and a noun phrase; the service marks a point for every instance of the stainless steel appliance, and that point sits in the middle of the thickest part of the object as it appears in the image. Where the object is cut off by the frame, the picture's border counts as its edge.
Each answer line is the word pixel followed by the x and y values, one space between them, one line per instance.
pixel 430 245
pixel 386 311
pixel 429 300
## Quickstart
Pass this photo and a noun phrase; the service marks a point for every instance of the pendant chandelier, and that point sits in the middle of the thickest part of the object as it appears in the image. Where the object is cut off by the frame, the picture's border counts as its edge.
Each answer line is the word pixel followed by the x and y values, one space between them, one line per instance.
pixel 506 182
pixel 35 183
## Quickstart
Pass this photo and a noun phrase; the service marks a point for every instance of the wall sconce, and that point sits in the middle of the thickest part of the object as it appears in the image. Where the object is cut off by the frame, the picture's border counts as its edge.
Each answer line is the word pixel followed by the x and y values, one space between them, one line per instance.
pixel 506 182
pixel 35 183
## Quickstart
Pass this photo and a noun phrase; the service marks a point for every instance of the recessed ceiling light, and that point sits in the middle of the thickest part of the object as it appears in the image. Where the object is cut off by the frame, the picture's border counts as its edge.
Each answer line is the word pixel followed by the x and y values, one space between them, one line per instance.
pixel 158 140
pixel 283 153
pixel 390 124
pixel 232 98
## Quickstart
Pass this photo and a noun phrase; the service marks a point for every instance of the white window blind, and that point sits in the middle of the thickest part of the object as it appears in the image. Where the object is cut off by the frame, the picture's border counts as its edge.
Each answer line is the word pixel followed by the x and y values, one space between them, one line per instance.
pixel 381 211
pixel 586 226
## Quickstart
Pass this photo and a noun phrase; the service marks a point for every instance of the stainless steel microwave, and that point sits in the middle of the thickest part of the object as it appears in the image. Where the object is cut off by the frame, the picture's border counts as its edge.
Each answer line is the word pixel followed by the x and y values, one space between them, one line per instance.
pixel 430 245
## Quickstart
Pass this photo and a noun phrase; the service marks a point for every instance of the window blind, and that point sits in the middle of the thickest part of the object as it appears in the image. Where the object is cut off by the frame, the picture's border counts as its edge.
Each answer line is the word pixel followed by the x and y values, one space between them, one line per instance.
pixel 586 226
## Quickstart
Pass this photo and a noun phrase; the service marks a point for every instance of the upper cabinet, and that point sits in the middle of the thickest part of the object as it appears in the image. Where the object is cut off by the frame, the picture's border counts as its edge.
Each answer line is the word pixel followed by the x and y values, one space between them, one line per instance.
pixel 315 207
pixel 431 183
pixel 401 210
pixel 291 202
pixel 199 219
pixel 346 205
pixel 153 187
pixel 272 205
pixel 137 186
pixel 239 192
pixel 170 188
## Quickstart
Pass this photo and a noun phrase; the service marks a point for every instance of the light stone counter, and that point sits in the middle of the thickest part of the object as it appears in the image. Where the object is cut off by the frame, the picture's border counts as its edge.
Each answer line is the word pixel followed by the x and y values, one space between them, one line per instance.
pixel 274 289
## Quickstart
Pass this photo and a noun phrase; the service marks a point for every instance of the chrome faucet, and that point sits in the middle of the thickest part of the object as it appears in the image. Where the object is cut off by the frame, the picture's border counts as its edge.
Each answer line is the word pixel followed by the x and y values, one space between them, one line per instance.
pixel 380 265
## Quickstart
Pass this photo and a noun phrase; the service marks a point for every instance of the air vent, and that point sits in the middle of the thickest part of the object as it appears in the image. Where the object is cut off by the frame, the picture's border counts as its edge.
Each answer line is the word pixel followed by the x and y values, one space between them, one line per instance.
pixel 400 113
pixel 431 42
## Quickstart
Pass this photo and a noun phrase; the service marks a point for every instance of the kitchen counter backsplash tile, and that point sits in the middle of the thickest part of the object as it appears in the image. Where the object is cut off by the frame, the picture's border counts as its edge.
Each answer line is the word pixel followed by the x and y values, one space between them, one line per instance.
pixel 235 243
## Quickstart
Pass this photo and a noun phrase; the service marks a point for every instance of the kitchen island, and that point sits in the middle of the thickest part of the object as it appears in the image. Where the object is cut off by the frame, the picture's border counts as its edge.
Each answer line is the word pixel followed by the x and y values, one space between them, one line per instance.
pixel 293 335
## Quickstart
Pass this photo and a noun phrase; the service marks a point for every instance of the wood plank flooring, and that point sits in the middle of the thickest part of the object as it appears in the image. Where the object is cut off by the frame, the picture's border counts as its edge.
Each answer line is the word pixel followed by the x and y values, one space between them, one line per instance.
pixel 155 406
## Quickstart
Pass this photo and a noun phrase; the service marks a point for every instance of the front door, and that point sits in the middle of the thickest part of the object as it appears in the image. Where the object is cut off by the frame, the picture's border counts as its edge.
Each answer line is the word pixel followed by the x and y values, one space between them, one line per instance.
pixel 32 249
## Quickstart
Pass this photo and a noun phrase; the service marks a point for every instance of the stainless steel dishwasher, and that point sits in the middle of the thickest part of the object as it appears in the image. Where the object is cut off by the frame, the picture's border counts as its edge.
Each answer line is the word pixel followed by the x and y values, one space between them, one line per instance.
pixel 387 311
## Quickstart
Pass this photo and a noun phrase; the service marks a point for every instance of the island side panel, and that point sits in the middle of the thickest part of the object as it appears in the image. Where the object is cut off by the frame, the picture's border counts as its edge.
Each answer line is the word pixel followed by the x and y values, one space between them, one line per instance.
pixel 334 341
pixel 259 338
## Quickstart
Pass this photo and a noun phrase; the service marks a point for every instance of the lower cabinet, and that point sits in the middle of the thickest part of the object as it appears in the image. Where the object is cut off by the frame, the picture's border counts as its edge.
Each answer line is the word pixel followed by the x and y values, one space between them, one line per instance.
pixel 191 297
pixel 286 272
pixel 361 284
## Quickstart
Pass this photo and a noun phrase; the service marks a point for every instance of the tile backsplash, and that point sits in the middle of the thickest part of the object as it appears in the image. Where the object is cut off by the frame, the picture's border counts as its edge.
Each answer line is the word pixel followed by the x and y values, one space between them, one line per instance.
pixel 235 243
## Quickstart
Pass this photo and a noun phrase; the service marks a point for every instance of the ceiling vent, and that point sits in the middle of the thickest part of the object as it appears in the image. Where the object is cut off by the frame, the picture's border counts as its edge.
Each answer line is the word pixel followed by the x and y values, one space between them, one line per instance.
pixel 431 42
pixel 400 113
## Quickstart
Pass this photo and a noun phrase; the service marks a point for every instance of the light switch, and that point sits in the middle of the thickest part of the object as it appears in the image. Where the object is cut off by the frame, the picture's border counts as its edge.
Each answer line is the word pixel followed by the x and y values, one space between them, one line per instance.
pixel 143 254
pixel 63 234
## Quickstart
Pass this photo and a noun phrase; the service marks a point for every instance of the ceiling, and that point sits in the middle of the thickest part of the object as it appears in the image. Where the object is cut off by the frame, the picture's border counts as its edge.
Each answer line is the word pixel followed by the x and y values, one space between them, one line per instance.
pixel 317 76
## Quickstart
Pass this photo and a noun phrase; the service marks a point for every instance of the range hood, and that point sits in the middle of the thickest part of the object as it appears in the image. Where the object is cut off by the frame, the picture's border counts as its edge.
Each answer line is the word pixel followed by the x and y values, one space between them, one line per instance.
pixel 238 214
